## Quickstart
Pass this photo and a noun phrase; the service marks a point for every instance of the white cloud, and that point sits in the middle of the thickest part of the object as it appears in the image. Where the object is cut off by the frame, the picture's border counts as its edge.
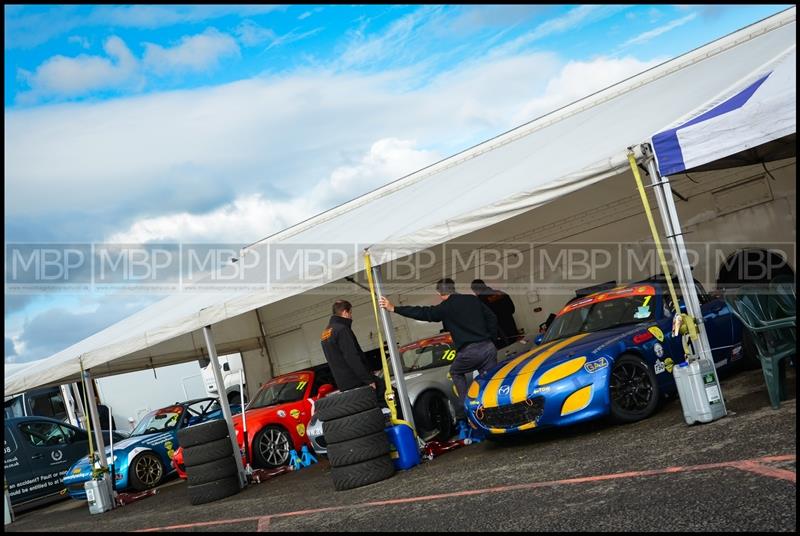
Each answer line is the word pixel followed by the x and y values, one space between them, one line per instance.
pixel 251 217
pixel 82 41
pixel 647 36
pixel 65 76
pixel 198 53
pixel 572 20
pixel 251 34
pixel 579 79
pixel 149 152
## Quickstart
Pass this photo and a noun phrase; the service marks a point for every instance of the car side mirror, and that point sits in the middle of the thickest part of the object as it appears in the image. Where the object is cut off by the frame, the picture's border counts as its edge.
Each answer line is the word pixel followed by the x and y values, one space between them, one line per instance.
pixel 324 390
pixel 538 340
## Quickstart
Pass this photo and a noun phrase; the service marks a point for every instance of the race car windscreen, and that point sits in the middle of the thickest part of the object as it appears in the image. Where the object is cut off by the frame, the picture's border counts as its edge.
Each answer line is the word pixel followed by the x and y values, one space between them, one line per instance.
pixel 279 393
pixel 601 315
pixel 428 357
pixel 160 420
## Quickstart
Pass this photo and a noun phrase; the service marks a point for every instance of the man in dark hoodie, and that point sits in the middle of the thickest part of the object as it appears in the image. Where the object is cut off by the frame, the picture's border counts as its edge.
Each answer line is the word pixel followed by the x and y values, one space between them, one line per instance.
pixel 344 355
pixel 501 305
pixel 471 324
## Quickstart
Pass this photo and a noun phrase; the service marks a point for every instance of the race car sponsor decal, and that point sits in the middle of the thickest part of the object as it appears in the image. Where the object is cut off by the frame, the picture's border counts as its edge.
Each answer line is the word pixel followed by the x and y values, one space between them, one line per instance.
pixel 545 389
pixel 657 333
pixel 597 364
pixel 669 364
pixel 170 452
pixel 659 366
pixel 301 430
pixel 281 413
pixel 57 455
pixel 505 389
pixel 295 413
pixel 658 349
pixel 643 311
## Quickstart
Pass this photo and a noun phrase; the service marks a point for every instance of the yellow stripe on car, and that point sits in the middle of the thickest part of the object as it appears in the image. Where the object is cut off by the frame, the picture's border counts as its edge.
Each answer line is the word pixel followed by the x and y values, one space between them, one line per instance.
pixel 562 371
pixel 474 389
pixel 527 426
pixel 492 388
pixel 519 389
pixel 577 400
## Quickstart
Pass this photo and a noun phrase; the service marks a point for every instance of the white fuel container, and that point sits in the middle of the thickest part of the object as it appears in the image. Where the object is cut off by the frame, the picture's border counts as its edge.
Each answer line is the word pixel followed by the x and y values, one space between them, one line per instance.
pixel 700 395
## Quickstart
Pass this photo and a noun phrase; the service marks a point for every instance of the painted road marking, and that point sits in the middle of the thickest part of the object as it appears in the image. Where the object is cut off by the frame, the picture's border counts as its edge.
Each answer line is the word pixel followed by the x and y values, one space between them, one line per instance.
pixel 755 465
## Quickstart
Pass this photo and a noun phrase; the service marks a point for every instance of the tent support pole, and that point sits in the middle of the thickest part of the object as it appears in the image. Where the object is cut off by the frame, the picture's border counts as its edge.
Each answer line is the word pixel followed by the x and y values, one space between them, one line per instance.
pixel 223 403
pixel 672 228
pixel 397 365
pixel 98 432
pixel 69 404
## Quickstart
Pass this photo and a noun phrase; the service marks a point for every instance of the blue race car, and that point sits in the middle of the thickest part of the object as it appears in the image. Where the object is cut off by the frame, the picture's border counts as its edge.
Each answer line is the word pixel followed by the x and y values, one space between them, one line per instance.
pixel 143 460
pixel 608 353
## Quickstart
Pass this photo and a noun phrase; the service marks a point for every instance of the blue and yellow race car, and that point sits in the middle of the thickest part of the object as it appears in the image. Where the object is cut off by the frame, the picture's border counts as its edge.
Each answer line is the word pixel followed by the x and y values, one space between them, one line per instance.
pixel 607 353
pixel 142 461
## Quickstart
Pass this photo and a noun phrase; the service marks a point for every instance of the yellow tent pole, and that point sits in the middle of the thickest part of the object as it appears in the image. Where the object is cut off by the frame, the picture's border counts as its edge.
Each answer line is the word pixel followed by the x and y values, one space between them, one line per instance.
pixel 389 393
pixel 688 320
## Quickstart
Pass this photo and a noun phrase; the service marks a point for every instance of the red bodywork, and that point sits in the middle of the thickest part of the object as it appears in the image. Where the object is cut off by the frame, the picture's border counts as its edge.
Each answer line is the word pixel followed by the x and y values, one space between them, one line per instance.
pixel 177 463
pixel 443 338
pixel 292 416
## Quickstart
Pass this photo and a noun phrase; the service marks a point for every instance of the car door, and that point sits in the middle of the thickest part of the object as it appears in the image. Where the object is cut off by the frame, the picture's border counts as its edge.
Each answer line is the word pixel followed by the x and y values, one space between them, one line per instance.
pixel 15 466
pixel 51 448
pixel 717 320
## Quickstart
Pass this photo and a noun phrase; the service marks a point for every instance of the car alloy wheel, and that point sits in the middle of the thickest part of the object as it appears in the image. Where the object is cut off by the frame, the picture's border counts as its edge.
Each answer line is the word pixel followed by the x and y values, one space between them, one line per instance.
pixel 273 447
pixel 633 389
pixel 148 470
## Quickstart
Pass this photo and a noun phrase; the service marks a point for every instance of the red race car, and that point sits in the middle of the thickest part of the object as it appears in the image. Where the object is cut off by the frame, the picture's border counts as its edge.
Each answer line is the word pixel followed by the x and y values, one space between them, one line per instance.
pixel 278 415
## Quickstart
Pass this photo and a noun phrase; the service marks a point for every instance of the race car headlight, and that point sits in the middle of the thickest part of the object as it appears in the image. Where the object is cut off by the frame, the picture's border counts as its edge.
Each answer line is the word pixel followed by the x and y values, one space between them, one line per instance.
pixel 559 372
pixel 474 389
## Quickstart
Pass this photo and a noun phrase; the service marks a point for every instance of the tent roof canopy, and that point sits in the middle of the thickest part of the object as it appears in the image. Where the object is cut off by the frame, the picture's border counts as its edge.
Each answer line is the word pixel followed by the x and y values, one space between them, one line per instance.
pixel 534 164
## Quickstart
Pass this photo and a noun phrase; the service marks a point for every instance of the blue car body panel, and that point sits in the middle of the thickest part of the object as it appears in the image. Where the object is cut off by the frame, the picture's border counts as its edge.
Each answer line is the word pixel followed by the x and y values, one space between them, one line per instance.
pixel 566 381
pixel 163 444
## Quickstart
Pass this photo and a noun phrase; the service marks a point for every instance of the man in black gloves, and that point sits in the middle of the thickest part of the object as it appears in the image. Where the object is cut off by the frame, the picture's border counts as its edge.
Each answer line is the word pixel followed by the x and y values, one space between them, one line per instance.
pixel 344 355
pixel 471 324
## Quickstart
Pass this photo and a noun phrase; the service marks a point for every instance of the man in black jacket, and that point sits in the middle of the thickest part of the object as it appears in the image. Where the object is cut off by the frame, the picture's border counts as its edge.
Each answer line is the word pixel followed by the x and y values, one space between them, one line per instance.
pixel 471 324
pixel 344 355
pixel 503 307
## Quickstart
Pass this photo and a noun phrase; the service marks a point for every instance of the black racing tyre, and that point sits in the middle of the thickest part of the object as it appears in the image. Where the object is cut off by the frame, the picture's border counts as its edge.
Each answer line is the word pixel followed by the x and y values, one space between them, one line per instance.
pixel 213 491
pixel 361 424
pixel 205 432
pixel 346 403
pixel 633 389
pixel 208 472
pixel 361 474
pixel 432 416
pixel 207 452
pixel 146 471
pixel 358 450
pixel 272 447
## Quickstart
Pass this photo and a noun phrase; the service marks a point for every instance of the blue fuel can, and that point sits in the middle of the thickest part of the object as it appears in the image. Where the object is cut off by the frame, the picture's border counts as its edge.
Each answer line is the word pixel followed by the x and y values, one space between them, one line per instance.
pixel 403 446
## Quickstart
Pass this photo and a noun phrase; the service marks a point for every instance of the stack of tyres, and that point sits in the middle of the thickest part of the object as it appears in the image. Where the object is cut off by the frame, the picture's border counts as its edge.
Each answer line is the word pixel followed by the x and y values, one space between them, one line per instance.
pixel 358 448
pixel 210 466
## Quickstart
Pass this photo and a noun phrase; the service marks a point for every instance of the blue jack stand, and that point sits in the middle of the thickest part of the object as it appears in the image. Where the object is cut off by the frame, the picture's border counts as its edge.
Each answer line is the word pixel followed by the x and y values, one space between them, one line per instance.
pixel 294 461
pixel 306 458
pixel 467 433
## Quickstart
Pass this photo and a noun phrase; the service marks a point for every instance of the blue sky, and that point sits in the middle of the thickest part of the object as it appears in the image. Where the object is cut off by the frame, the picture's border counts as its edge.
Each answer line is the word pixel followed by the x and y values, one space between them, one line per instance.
pixel 227 123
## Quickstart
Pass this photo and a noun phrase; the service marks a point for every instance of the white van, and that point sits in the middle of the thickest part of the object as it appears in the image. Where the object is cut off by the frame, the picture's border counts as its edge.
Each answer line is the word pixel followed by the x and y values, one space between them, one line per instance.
pixel 230 365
